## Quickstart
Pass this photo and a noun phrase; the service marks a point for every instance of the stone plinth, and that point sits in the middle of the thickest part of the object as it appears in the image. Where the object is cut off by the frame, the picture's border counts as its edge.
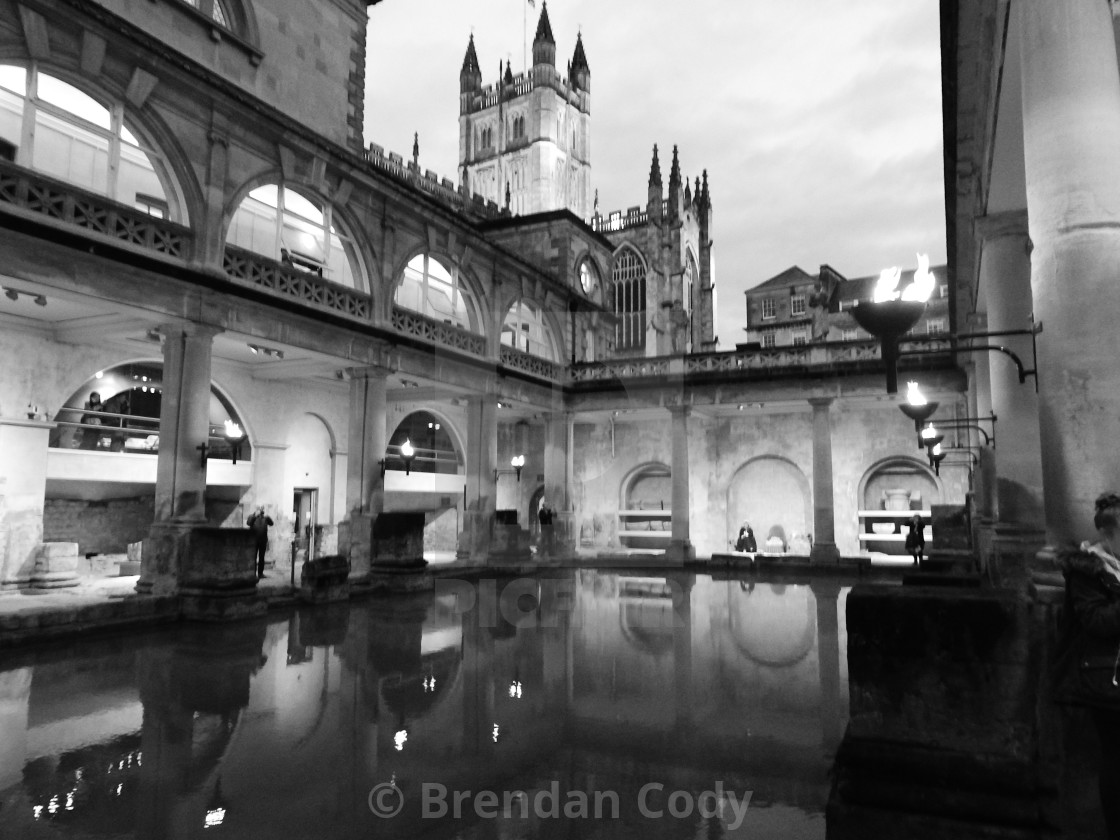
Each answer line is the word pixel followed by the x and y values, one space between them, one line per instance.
pixel 217 575
pixel 398 552
pixel 23 481
pixel 325 579
pixel 56 566
pixel 942 740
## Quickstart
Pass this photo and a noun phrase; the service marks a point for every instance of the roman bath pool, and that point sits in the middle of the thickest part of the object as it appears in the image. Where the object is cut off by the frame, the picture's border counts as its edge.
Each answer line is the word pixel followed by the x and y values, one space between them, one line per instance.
pixel 581 704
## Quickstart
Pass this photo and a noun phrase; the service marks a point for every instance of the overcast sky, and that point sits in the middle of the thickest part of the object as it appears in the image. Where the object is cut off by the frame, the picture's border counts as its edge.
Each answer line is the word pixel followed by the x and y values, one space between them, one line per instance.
pixel 819 121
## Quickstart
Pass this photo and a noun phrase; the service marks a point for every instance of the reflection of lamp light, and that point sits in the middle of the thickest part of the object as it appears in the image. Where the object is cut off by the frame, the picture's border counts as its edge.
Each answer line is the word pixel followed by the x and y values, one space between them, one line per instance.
pixel 217 807
pixel 888 318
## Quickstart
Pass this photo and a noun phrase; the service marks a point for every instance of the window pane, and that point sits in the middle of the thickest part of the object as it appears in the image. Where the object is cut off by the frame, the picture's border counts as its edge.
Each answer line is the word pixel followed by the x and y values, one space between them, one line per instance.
pixel 300 206
pixel 13 78
pixel 11 117
pixel 71 153
pixel 69 98
pixel 266 195
pixel 137 177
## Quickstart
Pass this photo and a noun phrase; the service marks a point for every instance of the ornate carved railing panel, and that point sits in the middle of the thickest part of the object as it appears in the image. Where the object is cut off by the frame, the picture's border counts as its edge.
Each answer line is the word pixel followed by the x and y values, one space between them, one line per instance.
pixel 436 332
pixel 528 363
pixel 284 281
pixel 37 194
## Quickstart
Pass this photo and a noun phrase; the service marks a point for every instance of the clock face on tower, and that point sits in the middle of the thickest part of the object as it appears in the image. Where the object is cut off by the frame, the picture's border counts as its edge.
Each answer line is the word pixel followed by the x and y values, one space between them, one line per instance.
pixel 588 277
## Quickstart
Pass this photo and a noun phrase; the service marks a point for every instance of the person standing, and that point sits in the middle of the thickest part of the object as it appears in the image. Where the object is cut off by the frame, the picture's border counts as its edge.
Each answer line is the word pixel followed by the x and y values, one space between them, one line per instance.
pixel 91 423
pixel 259 523
pixel 544 517
pixel 1087 656
pixel 916 539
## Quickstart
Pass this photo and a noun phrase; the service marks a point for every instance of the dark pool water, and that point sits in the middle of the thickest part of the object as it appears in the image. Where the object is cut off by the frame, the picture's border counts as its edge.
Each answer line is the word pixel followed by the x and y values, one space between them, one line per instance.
pixel 585 704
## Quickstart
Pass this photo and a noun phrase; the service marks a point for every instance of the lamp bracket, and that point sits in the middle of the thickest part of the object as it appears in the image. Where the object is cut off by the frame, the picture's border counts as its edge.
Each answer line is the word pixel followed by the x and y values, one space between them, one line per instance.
pixel 953 348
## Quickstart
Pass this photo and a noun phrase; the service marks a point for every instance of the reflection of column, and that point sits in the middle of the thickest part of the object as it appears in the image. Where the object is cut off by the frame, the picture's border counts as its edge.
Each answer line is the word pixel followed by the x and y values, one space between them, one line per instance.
pixel 824 527
pixel 682 647
pixel 826 593
pixel 1071 117
pixel 478 681
pixel 15 694
pixel 1005 272
pixel 184 428
pixel 365 486
pixel 680 541
pixel 482 456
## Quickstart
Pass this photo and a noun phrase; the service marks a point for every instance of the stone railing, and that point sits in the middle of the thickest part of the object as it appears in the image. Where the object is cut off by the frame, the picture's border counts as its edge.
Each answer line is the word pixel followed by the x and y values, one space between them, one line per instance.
pixel 528 363
pixel 620 368
pixel 437 332
pixel 429 182
pixel 46 197
pixel 284 281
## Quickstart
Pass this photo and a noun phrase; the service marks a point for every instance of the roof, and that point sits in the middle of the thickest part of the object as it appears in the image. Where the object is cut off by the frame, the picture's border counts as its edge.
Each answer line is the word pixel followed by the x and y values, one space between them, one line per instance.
pixel 579 59
pixel 791 276
pixel 470 60
pixel 544 28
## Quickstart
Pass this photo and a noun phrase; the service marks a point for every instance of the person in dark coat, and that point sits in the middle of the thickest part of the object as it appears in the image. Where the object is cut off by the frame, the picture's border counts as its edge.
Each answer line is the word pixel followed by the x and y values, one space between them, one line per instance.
pixel 916 539
pixel 1088 650
pixel 544 517
pixel 746 541
pixel 259 523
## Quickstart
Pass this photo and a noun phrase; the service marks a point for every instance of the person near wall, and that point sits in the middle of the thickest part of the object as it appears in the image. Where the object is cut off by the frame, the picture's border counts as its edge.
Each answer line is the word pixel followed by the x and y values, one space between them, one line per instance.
pixel 259 523
pixel 746 541
pixel 91 423
pixel 1087 655
pixel 544 517
pixel 916 538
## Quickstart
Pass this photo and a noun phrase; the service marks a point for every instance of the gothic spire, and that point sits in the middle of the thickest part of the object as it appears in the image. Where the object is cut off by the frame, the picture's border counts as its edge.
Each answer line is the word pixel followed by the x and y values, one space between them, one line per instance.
pixel 544 45
pixel 470 77
pixel 579 71
pixel 675 171
pixel 655 170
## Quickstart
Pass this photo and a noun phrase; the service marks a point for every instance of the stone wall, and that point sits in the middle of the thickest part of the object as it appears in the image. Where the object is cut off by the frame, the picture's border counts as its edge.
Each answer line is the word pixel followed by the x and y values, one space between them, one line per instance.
pixel 100 526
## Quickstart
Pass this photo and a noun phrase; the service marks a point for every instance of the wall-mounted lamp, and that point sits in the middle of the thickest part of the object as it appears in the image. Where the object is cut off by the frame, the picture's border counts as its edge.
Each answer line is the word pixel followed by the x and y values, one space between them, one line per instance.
pixel 517 462
pixel 204 448
pixel 234 434
pixel 407 453
pixel 917 407
pixel 936 456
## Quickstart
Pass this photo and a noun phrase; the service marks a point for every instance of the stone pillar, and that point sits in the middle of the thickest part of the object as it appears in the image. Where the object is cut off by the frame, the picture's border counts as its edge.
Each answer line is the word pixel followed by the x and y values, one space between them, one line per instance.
pixel 1071 117
pixel 824 518
pixel 482 458
pixel 184 426
pixel 365 485
pixel 1005 275
pixel 680 545
pixel 23 486
pixel 556 477
pixel 825 593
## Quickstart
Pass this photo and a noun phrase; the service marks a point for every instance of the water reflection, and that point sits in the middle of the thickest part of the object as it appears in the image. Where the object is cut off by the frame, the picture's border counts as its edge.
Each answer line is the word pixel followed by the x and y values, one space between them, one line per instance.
pixel 661 704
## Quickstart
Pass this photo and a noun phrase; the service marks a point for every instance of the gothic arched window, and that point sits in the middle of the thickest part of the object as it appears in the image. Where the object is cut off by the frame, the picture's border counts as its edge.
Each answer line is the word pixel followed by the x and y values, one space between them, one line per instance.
pixel 275 221
pixel 61 131
pixel 430 288
pixel 213 8
pixel 628 291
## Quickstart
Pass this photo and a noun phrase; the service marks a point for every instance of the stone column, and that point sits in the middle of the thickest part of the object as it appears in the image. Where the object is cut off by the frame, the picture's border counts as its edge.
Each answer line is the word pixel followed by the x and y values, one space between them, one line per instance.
pixel 482 458
pixel 1005 275
pixel 1071 117
pixel 23 487
pixel 824 518
pixel 680 546
pixel 556 477
pixel 184 426
pixel 365 485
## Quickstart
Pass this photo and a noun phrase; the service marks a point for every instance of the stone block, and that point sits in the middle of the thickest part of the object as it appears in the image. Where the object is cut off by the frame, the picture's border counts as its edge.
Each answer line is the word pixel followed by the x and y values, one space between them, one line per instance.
pixel 56 566
pixel 135 551
pixel 325 579
pixel 52 551
pixel 398 539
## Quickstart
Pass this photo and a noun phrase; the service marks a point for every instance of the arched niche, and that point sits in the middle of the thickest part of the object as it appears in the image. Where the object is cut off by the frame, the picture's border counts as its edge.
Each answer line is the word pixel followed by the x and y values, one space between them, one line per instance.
pixel 308 462
pixel 899 473
pixel 772 494
pixel 646 494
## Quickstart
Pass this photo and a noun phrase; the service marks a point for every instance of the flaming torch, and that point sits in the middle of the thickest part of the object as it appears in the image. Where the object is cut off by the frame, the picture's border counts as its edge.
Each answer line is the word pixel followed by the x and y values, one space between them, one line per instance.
pixel 890 314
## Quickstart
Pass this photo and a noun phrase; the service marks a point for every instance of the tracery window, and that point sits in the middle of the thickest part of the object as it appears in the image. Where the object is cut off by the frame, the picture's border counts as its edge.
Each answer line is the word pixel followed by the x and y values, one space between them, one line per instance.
pixel 277 222
pixel 213 8
pixel 61 131
pixel 524 329
pixel 628 281
pixel 430 288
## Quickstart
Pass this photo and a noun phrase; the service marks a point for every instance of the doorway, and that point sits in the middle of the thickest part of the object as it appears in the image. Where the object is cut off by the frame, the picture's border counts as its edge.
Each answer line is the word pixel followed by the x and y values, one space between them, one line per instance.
pixel 304 506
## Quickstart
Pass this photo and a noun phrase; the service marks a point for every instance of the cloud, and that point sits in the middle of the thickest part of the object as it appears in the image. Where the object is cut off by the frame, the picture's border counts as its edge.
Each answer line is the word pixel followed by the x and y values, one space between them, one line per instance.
pixel 819 122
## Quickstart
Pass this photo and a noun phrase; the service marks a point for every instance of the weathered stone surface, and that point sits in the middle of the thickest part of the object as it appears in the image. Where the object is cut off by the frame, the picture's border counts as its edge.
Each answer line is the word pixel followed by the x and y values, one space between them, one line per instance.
pixel 56 566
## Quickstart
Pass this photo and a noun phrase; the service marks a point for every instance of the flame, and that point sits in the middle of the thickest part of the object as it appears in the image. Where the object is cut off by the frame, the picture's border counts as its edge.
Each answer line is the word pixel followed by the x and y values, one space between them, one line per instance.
pixel 936 450
pixel 886 288
pixel 923 283
pixel 233 430
pixel 914 394
pixel 929 431
pixel 406 449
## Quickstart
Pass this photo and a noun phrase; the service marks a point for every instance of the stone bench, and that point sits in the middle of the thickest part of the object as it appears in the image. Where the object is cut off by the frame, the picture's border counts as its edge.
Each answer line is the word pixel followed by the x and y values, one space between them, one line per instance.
pixel 325 579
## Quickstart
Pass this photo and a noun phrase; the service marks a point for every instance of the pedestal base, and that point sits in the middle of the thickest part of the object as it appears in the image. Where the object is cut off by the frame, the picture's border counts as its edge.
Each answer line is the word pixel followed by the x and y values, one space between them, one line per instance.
pixel 56 566
pixel 680 552
pixel 824 552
